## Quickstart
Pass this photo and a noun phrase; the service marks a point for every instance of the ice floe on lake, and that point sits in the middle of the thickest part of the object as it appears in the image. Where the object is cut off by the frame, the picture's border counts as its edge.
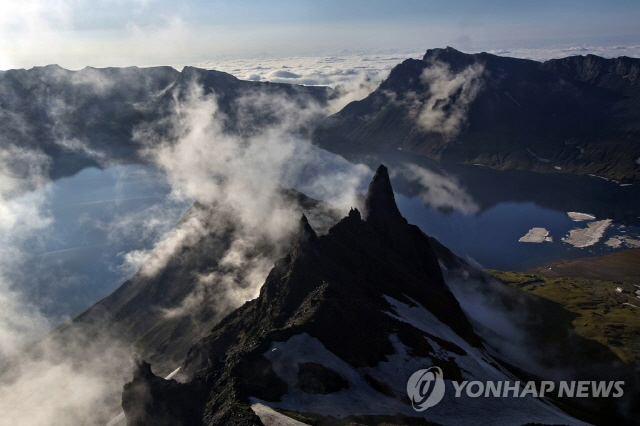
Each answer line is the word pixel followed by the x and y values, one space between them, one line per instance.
pixel 536 235
pixel 623 241
pixel 585 237
pixel 579 217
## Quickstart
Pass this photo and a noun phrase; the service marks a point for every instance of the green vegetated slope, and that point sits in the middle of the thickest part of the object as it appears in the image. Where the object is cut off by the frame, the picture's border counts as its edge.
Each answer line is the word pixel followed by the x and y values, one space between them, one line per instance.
pixel 607 311
pixel 621 266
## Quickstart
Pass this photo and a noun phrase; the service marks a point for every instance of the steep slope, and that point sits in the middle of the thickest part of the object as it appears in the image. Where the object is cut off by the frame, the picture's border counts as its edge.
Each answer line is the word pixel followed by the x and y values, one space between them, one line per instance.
pixel 86 118
pixel 211 265
pixel 165 308
pixel 621 266
pixel 340 324
pixel 604 311
pixel 78 118
pixel 577 114
pixel 250 105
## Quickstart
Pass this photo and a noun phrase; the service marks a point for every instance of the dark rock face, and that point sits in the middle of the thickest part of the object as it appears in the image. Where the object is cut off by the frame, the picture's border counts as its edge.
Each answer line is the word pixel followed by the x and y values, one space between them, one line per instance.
pixel 332 288
pixel 580 113
pixel 333 296
pixel 136 311
pixel 160 402
pixel 58 111
pixel 597 71
pixel 380 205
pixel 45 106
pixel 315 378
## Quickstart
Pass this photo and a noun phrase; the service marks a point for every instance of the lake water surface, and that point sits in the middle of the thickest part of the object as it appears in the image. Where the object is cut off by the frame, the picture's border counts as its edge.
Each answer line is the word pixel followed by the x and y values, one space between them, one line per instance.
pixel 100 215
pixel 491 237
pixel 97 217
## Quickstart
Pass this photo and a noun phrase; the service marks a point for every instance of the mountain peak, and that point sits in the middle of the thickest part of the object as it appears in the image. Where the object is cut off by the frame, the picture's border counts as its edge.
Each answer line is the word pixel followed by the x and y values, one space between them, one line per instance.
pixel 454 58
pixel 447 51
pixel 306 236
pixel 340 299
pixel 380 203
pixel 142 369
pixel 355 214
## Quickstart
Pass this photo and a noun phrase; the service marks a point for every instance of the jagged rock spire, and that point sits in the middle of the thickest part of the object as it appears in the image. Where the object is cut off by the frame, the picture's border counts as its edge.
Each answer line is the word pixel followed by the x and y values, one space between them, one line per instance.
pixel 306 237
pixel 355 214
pixel 295 276
pixel 335 289
pixel 380 203
pixel 141 369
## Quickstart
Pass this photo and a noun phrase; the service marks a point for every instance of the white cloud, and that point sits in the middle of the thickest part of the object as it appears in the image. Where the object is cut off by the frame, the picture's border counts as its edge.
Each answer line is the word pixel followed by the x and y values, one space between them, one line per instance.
pixel 562 51
pixel 449 96
pixel 71 383
pixel 25 23
pixel 59 384
pixel 23 217
pixel 354 76
pixel 440 191
pixel 311 70
pixel 149 262
pixel 241 178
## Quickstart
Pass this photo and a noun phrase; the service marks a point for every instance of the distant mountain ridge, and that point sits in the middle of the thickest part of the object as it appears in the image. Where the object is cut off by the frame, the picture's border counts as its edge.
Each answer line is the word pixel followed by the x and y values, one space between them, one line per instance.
pixel 86 118
pixel 578 114
pixel 74 117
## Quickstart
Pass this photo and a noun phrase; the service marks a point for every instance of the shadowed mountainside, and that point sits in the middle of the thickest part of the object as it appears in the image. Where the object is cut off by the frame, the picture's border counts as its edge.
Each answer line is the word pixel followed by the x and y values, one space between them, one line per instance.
pixel 162 312
pixel 578 114
pixel 86 118
pixel 339 324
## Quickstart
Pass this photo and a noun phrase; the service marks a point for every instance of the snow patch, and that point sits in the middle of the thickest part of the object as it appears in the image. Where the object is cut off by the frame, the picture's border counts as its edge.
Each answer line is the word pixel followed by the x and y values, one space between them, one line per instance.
pixel 361 399
pixel 422 319
pixel 613 242
pixel 542 160
pixel 631 242
pixel 270 417
pixel 475 365
pixel 173 373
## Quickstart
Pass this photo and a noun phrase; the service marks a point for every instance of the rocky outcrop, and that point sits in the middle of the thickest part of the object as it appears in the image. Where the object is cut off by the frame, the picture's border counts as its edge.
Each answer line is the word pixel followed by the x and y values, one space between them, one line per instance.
pixel 578 114
pixel 150 400
pixel 597 71
pixel 137 312
pixel 345 318
pixel 334 288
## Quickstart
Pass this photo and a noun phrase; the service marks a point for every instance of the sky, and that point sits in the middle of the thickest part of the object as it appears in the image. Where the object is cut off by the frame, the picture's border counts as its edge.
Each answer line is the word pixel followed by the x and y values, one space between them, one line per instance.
pixel 79 33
